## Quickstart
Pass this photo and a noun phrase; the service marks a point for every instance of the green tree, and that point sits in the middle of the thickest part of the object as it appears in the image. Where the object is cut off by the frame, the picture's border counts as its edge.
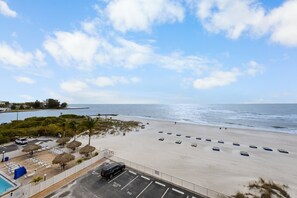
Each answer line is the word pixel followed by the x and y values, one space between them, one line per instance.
pixel 90 124
pixel 36 105
pixel 22 107
pixel 73 126
pixel 52 103
pixel 64 105
pixel 13 107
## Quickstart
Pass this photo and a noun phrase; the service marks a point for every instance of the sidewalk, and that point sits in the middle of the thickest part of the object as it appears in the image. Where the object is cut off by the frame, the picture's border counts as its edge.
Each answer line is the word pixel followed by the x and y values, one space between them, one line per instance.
pixel 67 180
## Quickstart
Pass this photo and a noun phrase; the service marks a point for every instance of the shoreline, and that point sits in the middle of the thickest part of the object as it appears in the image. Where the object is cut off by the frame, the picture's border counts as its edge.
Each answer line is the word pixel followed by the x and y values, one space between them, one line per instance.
pixel 253 129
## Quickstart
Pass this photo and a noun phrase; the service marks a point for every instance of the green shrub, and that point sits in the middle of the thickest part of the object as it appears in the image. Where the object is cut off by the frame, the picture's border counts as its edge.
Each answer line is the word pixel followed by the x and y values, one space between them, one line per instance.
pixel 37 179
pixel 79 161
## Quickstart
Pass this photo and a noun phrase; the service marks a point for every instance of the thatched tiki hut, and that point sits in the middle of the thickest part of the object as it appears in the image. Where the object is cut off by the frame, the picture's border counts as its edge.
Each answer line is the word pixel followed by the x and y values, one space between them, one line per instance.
pixel 62 141
pixel 63 159
pixel 86 150
pixel 73 145
pixel 30 148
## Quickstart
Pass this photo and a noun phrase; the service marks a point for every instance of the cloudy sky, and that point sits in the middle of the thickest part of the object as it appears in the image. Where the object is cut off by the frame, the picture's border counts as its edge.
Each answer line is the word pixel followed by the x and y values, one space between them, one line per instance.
pixel 156 51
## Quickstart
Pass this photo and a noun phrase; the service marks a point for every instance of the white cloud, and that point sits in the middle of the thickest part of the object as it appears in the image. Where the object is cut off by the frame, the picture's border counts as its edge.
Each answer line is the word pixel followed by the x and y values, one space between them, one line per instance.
pixel 179 63
pixel 16 57
pixel 104 81
pixel 5 10
pixel 73 86
pixel 282 23
pixel 85 52
pixel 254 68
pixel 140 15
pixel 235 17
pixel 217 79
pixel 26 97
pixel 72 48
pixel 24 79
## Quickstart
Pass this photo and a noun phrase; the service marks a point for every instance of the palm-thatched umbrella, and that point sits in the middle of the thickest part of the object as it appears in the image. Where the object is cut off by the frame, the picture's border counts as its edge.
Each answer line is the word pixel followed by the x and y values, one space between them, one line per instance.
pixel 31 148
pixel 73 145
pixel 62 141
pixel 86 150
pixel 63 159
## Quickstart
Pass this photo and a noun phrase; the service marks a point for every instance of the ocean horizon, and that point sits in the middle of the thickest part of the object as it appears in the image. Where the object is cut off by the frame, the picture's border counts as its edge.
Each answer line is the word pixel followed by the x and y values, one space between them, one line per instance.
pixel 271 117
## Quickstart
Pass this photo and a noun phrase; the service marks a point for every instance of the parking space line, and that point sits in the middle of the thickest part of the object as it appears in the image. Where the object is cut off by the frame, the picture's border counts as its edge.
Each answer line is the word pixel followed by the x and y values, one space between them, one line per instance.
pixel 130 182
pixel 117 176
pixel 160 183
pixel 132 172
pixel 145 178
pixel 144 189
pixel 165 193
pixel 178 191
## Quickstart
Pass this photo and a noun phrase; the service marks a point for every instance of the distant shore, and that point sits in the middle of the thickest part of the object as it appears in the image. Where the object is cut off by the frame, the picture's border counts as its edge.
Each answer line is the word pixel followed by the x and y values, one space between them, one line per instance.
pixel 32 110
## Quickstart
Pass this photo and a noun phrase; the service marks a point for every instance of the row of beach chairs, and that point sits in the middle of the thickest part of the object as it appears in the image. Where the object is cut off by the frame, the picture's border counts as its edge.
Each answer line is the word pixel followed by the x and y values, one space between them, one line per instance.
pixel 222 142
pixel 11 167
pixel 56 151
pixel 40 162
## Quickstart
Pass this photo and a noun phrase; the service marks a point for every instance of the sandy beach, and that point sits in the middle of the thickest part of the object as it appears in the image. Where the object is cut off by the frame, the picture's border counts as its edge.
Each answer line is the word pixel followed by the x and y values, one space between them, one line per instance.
pixel 225 171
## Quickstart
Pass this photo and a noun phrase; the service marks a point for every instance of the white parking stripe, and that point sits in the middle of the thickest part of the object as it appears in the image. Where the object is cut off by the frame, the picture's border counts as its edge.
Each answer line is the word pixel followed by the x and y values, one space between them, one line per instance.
pixel 117 176
pixel 144 189
pixel 165 193
pixel 180 192
pixel 129 182
pixel 145 178
pixel 160 183
pixel 132 172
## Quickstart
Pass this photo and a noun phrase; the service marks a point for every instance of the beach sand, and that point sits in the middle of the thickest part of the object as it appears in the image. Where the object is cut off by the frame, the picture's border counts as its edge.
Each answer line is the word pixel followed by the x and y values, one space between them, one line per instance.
pixel 225 171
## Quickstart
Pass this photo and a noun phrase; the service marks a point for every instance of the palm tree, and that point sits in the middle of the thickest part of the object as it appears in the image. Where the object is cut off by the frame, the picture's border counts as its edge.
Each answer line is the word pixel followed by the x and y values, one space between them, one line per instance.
pixel 90 124
pixel 73 125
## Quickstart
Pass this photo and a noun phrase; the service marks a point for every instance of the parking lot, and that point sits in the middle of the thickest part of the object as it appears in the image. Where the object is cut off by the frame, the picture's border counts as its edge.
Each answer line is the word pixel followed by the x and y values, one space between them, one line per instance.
pixel 129 183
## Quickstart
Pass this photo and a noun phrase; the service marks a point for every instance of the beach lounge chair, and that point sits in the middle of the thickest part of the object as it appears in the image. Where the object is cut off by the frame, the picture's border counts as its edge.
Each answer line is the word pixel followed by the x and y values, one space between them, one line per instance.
pixel 244 153
pixel 221 142
pixel 161 139
pixel 169 133
pixel 187 136
pixel 208 140
pixel 236 144
pixel 178 142
pixel 178 134
pixel 194 144
pixel 216 148
pixel 198 138
pixel 253 147
pixel 283 151
pixel 160 131
pixel 267 149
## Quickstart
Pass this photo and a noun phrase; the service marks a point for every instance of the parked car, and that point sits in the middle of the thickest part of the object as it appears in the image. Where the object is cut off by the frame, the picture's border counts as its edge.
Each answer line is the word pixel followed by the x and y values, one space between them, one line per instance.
pixel 110 170
pixel 21 141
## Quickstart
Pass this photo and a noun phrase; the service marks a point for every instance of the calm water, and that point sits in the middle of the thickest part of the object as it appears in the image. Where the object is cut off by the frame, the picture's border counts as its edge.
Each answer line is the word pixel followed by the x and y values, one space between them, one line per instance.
pixel 276 117
pixel 4 185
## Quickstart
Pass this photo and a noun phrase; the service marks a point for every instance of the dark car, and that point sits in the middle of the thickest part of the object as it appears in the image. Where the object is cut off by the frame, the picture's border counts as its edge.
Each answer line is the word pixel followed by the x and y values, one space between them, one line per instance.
pixel 110 170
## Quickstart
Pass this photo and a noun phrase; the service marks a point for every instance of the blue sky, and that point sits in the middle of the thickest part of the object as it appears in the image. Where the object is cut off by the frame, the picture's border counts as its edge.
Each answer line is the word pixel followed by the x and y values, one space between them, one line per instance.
pixel 157 51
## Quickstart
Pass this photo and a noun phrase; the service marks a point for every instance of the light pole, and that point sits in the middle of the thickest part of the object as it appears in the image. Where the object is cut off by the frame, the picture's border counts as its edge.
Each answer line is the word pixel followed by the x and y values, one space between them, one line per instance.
pixel 3 156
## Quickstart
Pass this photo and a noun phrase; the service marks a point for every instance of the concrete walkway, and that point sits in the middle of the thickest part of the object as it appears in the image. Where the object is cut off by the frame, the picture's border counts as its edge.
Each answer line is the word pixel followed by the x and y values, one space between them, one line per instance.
pixel 67 180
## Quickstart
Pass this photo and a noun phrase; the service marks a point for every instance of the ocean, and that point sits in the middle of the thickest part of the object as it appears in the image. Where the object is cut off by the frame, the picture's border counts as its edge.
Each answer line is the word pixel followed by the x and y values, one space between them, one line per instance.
pixel 272 117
